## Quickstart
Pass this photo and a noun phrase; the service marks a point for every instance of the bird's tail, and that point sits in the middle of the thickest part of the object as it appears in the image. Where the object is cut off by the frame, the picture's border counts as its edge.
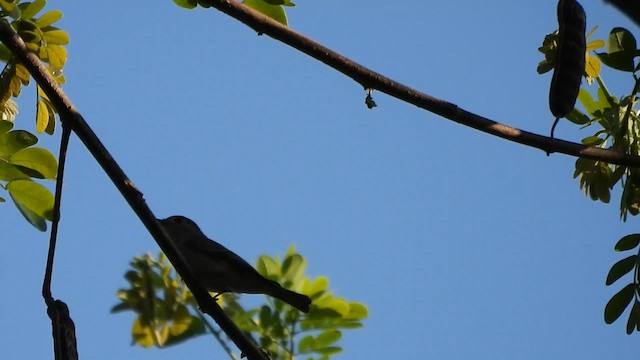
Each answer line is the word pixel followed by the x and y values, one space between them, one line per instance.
pixel 298 301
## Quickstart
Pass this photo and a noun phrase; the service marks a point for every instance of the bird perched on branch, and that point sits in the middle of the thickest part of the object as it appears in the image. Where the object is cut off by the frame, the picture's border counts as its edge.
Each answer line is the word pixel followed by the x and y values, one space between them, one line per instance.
pixel 219 269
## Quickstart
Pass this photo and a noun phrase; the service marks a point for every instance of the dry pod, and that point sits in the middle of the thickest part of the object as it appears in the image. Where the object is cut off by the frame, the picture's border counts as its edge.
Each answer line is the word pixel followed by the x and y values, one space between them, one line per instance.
pixel 570 59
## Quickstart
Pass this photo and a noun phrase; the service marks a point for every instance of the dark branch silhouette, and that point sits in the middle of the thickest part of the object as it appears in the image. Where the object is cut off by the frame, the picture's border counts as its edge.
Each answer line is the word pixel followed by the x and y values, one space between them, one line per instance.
pixel 72 118
pixel 370 79
pixel 64 331
pixel 631 8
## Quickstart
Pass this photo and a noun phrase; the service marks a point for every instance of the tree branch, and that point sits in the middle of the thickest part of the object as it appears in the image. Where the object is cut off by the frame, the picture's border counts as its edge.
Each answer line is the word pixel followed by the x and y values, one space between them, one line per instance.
pixel 72 118
pixel 628 7
pixel 370 79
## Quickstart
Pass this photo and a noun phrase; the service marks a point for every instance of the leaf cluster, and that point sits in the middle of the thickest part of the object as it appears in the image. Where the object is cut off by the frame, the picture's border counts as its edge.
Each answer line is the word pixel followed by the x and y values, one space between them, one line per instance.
pixel 271 8
pixel 621 300
pixel 161 303
pixel 616 125
pixel 615 121
pixel 166 312
pixel 19 163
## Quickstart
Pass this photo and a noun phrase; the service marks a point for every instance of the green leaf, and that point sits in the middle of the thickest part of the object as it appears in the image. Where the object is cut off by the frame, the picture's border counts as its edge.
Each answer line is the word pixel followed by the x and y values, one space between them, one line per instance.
pixel 330 350
pixel 587 101
pixel 592 141
pixel 51 123
pixel 544 66
pixel 9 7
pixel 142 334
pixel 276 12
pixel 30 9
pixel 42 116
pixel 181 321
pixel 319 285
pixel 15 140
pixel 306 344
pixel 30 36
pixel 9 172
pixel 293 268
pixel 120 307
pixel 620 39
pixel 56 56
pixel 196 328
pixel 628 242
pixel 5 126
pixel 49 18
pixel 620 269
pixel 621 50
pixel 38 159
pixel 327 338
pixel 56 37
pixel 268 267
pixel 615 307
pixel 32 196
pixel 592 66
pixel 187 4
pixel 34 219
pixel 265 316
pixel 45 116
pixel 632 321
pixel 577 117
pixel 357 311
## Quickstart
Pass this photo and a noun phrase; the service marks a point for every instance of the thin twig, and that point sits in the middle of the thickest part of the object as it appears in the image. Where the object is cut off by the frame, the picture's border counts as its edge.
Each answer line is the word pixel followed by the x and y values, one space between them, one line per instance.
pixel 71 117
pixel 46 284
pixel 64 331
pixel 217 334
pixel 370 79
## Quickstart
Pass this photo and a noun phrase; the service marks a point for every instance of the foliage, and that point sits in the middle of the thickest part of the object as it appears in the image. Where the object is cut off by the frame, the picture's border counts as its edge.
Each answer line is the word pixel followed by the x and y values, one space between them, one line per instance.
pixel 621 300
pixel 616 122
pixel 20 163
pixel 167 313
pixel 271 8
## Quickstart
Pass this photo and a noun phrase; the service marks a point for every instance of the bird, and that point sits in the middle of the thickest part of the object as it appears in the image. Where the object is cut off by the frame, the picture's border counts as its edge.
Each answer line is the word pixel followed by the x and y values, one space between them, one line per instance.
pixel 219 269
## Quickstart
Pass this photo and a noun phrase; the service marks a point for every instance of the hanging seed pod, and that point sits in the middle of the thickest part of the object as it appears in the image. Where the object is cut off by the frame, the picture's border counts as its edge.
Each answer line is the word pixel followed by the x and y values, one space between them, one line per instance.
pixel 570 59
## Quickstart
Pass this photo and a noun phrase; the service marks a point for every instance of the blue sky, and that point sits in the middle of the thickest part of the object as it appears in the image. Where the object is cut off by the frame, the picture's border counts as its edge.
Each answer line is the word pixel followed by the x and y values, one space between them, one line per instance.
pixel 462 245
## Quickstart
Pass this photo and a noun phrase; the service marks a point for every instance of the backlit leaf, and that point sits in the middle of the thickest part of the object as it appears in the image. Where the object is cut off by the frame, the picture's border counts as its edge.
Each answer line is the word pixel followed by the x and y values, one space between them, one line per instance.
pixel 56 37
pixel 15 140
pixel 9 172
pixel 34 219
pixel 327 338
pixel 615 307
pixel 29 10
pixel 33 196
pixel 49 18
pixel 621 268
pixel 628 242
pixel 39 159
pixel 57 56
pixel 275 12
pixel 42 116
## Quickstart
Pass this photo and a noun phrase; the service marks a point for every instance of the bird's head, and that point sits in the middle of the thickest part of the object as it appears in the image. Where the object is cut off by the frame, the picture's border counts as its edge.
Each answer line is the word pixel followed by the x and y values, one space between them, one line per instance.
pixel 178 226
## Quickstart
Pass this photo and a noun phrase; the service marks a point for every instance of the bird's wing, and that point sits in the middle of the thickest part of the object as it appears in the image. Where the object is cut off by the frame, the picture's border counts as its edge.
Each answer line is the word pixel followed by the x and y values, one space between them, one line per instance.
pixel 214 251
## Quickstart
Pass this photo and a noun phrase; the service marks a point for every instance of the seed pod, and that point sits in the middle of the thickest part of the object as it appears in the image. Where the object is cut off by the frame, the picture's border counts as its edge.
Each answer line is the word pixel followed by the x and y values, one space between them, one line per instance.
pixel 570 58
